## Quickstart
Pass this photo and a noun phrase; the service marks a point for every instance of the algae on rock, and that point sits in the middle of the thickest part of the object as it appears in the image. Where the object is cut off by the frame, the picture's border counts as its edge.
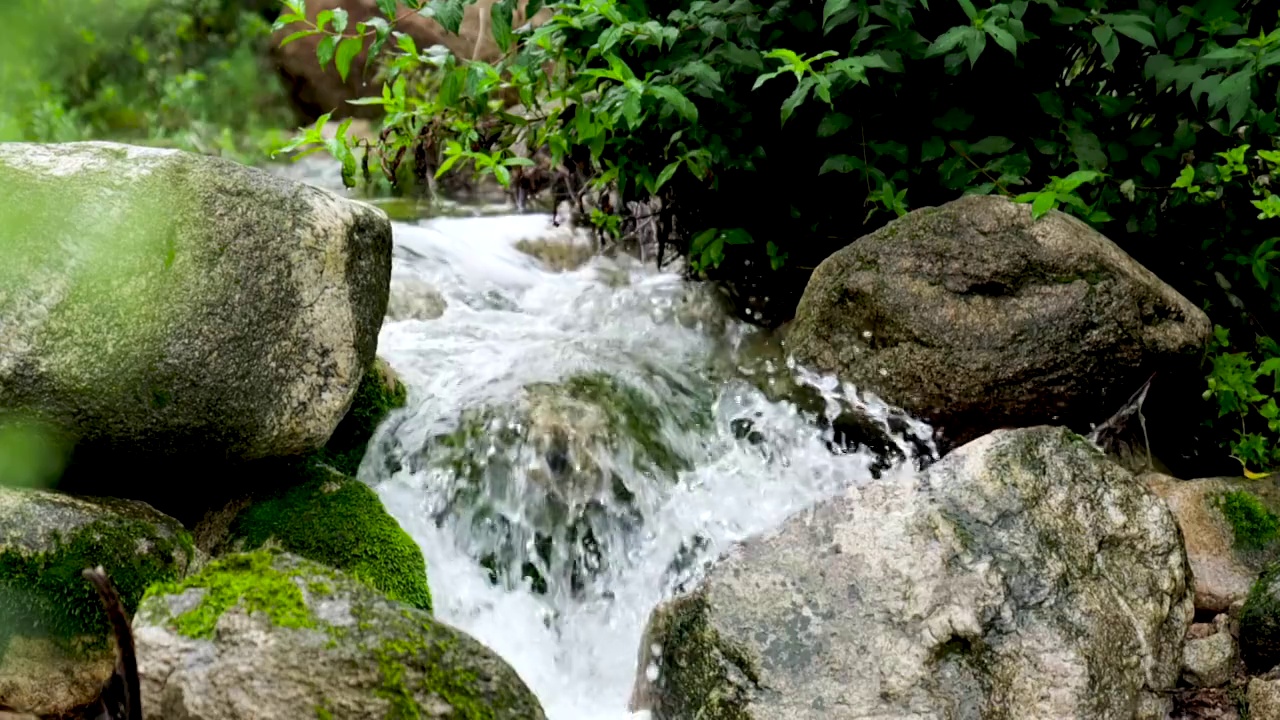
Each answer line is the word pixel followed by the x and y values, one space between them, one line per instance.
pixel 56 645
pixel 334 520
pixel 563 470
pixel 272 635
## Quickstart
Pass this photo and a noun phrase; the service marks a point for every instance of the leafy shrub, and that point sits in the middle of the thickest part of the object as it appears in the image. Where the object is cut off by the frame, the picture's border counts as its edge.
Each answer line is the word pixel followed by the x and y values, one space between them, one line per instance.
pixel 774 131
pixel 184 73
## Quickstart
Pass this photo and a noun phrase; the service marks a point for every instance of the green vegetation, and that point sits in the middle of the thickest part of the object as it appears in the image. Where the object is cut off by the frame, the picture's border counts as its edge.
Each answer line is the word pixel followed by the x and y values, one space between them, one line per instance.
pixel 248 580
pixel 191 74
pixel 1260 623
pixel 44 594
pixel 339 522
pixel 379 393
pixel 1254 525
pixel 1156 123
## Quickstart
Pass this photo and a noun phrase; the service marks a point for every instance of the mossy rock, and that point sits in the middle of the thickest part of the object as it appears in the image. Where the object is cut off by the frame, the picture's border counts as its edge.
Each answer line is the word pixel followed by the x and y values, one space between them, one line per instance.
pixel 56 646
pixel 379 393
pixel 274 635
pixel 573 455
pixel 329 518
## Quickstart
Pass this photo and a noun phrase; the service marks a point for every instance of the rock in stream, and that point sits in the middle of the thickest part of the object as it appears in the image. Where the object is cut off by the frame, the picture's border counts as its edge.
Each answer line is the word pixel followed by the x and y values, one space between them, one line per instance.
pixel 1022 576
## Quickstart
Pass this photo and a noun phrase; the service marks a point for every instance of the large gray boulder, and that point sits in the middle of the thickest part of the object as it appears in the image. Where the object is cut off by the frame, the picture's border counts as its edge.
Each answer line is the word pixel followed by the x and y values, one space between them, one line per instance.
pixel 974 317
pixel 56 647
pixel 1022 576
pixel 171 303
pixel 274 637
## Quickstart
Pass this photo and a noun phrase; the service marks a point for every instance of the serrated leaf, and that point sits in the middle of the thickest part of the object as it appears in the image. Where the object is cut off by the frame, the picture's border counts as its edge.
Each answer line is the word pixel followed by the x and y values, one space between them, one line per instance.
pixel 500 19
pixel 448 13
pixel 833 123
pixel 677 101
pixel 325 50
pixel 706 75
pixel 1003 39
pixel 949 40
pixel 974 44
pixel 348 49
pixel 743 57
pixel 1107 41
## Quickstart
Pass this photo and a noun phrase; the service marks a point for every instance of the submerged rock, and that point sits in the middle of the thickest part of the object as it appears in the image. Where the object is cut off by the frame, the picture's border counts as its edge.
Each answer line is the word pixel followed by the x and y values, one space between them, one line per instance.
pixel 274 637
pixel 541 487
pixel 1023 576
pixel 973 317
pixel 414 299
pixel 56 647
pixel 169 304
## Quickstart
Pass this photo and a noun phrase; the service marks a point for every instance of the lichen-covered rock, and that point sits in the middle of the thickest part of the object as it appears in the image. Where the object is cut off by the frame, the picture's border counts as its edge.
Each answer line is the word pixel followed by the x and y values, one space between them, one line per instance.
pixel 1209 661
pixel 974 317
pixel 1022 576
pixel 559 470
pixel 331 519
pixel 1263 697
pixel 274 637
pixel 1224 524
pixel 173 304
pixel 55 643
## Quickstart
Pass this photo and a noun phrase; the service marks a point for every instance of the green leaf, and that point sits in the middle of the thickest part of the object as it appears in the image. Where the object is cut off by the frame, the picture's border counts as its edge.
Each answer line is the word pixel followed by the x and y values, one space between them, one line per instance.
pixel 1068 16
pixel 833 123
pixel 631 110
pixel 325 50
pixel 1044 202
pixel 840 164
pixel 932 149
pixel 1106 38
pixel 1076 179
pixel 1003 39
pixel 949 40
pixel 448 13
pixel 298 35
pixel 503 175
pixel 387 8
pixel 676 100
pixel 737 236
pixel 974 45
pixel 1137 33
pixel 500 18
pixel 339 20
pixel 701 240
pixel 993 145
pixel 1087 147
pixel 348 49
pixel 968 8
pixel 667 173
pixel 831 8
pixel 797 97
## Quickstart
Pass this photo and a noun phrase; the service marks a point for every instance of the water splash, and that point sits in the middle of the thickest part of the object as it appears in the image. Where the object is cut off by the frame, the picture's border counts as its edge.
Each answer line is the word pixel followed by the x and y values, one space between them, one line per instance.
pixel 745 439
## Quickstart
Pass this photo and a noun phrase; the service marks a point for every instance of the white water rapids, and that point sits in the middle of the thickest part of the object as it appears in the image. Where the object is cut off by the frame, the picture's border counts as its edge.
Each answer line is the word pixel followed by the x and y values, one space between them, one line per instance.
pixel 510 322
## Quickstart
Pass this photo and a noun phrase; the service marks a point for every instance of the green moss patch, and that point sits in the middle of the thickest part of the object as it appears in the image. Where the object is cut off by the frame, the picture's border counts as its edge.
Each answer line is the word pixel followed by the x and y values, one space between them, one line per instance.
pixel 44 593
pixel 340 522
pixel 379 393
pixel 248 580
pixel 1255 526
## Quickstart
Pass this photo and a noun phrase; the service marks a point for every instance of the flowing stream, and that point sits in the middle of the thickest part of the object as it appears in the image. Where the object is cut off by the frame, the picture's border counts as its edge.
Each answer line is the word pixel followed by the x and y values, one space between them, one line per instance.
pixel 612 395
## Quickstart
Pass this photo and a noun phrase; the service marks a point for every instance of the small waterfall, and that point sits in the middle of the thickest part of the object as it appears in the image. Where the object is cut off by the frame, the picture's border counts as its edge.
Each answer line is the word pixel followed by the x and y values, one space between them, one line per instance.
pixel 578 445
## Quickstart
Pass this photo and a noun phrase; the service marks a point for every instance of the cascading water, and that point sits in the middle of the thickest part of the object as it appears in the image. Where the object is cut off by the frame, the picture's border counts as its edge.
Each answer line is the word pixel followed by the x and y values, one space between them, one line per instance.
pixel 578 445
